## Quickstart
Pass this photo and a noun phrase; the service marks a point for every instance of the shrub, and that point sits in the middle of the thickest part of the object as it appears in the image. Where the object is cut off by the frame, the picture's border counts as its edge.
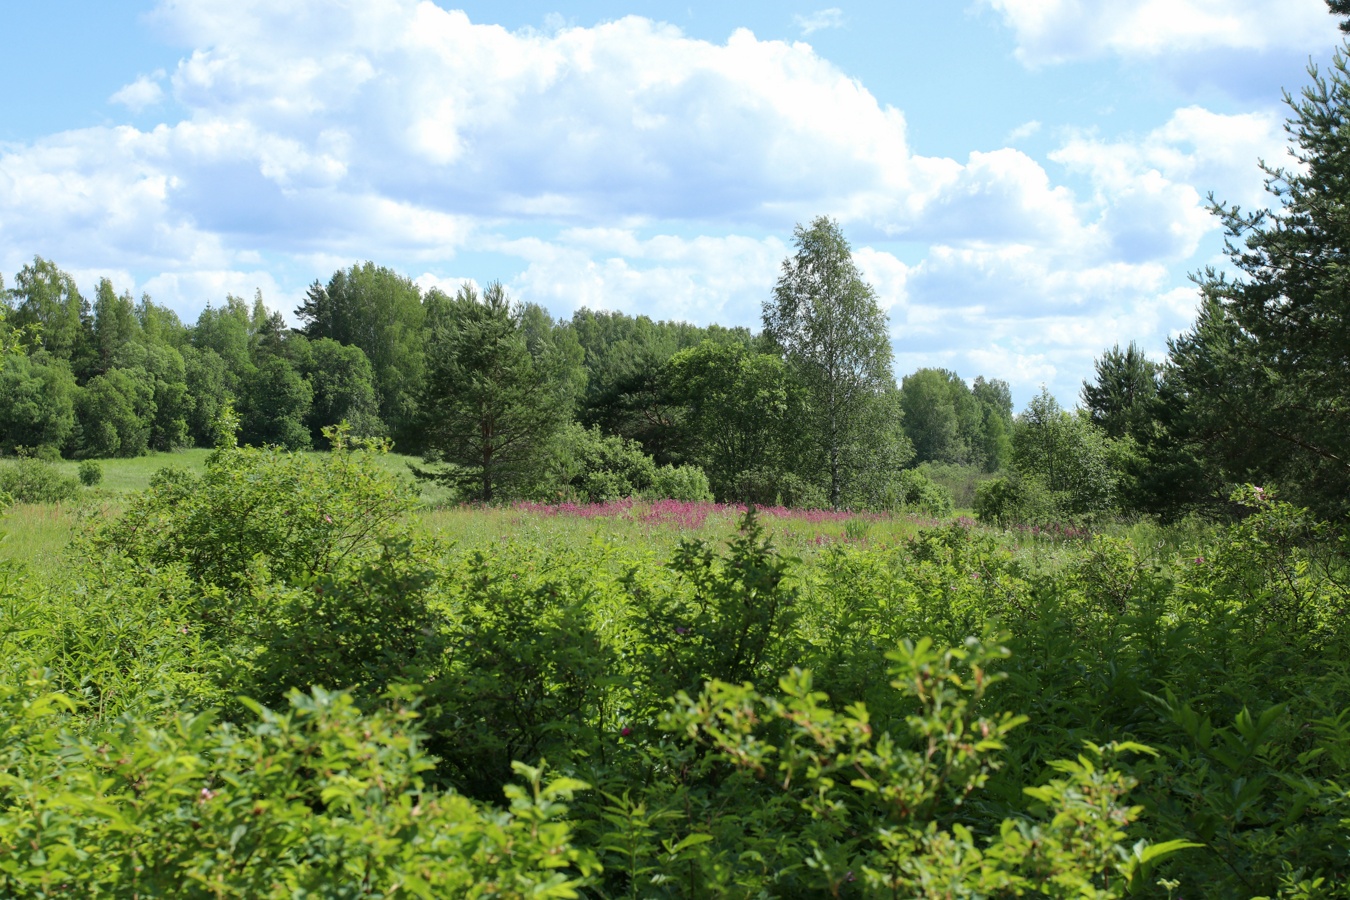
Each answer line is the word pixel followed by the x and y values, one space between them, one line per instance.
pixel 1017 500
pixel 298 515
pixel 30 480
pixel 91 473
pixel 316 800
pixel 917 493
pixel 595 467
pixel 687 483
pixel 959 480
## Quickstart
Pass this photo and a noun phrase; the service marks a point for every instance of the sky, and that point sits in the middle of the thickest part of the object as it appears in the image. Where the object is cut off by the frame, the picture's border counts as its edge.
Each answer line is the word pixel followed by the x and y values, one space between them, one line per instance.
pixel 1023 182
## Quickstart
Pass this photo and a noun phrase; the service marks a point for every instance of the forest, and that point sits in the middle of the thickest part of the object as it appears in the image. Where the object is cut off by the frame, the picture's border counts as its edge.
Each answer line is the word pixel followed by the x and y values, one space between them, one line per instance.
pixel 695 611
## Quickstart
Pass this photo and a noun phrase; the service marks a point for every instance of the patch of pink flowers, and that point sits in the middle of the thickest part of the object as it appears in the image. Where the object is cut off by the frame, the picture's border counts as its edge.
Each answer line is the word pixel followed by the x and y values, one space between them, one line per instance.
pixel 682 513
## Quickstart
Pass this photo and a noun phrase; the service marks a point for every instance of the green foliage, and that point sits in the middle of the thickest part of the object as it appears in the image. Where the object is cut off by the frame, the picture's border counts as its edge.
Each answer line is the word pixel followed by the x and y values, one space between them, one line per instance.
pixel 1260 379
pixel 115 410
pixel 685 483
pixel 593 468
pixel 1121 397
pixel 959 482
pixel 274 405
pixel 207 381
pixel 163 369
pixel 500 385
pixel 299 515
pixel 90 473
pixel 115 325
pixel 37 401
pixel 727 617
pixel 48 305
pixel 890 760
pixel 827 800
pixel 381 312
pixel 343 383
pixel 877 455
pixel 918 493
pixel 627 390
pixel 740 409
pixel 825 319
pixel 528 674
pixel 995 441
pixel 1017 500
pixel 309 801
pixel 30 480
pixel 365 627
pixel 1069 456
pixel 950 423
pixel 225 332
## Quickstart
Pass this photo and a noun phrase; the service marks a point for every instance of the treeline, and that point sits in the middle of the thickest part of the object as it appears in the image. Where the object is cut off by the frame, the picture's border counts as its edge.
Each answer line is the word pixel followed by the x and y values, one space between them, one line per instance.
pixel 504 401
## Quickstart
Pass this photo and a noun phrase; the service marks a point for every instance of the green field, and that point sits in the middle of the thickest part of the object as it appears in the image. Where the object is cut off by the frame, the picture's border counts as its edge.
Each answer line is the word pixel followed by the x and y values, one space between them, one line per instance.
pixel 38 534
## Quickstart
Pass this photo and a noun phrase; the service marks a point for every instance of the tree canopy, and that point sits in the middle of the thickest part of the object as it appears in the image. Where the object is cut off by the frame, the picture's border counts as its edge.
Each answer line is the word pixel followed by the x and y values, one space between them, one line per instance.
pixel 826 320
pixel 1265 372
pixel 501 384
pixel 381 312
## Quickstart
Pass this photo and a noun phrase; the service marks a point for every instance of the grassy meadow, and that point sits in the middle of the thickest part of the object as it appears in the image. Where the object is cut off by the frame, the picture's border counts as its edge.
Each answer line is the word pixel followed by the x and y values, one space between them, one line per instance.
pixel 38 534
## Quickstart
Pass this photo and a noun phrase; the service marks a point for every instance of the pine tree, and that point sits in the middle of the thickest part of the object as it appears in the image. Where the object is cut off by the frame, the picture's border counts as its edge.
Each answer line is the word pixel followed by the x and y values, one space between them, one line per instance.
pixel 1265 372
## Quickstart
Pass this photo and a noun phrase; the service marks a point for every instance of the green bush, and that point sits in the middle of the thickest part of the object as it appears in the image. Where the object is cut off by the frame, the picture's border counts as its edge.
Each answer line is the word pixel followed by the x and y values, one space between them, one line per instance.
pixel 311 801
pixel 959 480
pixel 889 760
pixel 686 483
pixel 1019 500
pixel 90 473
pixel 296 515
pixel 594 467
pixel 915 492
pixel 30 480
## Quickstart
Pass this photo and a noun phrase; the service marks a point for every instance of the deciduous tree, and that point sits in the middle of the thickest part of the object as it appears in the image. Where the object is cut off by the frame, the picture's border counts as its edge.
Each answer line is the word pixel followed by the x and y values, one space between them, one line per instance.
pixel 381 312
pixel 832 332
pixel 742 407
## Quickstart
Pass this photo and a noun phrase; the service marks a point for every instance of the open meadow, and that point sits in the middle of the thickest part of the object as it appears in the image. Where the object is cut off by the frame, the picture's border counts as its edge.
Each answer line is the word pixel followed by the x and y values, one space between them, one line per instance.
pixel 38 534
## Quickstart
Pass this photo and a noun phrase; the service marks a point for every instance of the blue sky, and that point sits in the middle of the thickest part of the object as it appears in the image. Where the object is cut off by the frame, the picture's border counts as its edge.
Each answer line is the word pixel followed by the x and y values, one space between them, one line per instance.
pixel 1023 181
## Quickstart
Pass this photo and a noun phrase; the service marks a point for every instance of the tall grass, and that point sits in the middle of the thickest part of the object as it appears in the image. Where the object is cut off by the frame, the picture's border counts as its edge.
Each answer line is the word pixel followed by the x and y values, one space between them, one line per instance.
pixel 37 534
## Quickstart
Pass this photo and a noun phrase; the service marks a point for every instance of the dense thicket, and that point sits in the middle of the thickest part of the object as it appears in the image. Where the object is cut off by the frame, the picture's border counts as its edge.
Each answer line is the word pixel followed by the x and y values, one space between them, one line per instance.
pixel 942 718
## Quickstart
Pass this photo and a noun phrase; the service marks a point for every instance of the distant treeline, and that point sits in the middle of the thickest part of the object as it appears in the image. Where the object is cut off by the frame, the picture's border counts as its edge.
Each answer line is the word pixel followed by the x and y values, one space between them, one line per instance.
pixel 500 398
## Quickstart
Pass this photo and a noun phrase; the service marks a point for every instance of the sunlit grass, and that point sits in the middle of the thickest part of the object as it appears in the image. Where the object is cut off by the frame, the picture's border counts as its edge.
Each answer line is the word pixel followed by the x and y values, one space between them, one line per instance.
pixel 38 534
pixel 122 476
pixel 659 526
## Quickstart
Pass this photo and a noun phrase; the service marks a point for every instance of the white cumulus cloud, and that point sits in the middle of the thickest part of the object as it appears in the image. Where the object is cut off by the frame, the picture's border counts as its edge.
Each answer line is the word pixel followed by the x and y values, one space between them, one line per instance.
pixel 621 166
pixel 1054 31
pixel 141 94
pixel 819 20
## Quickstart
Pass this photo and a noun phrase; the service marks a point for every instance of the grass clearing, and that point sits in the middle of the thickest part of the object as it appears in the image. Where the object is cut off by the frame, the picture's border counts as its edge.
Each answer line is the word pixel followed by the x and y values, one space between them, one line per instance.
pixel 38 534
